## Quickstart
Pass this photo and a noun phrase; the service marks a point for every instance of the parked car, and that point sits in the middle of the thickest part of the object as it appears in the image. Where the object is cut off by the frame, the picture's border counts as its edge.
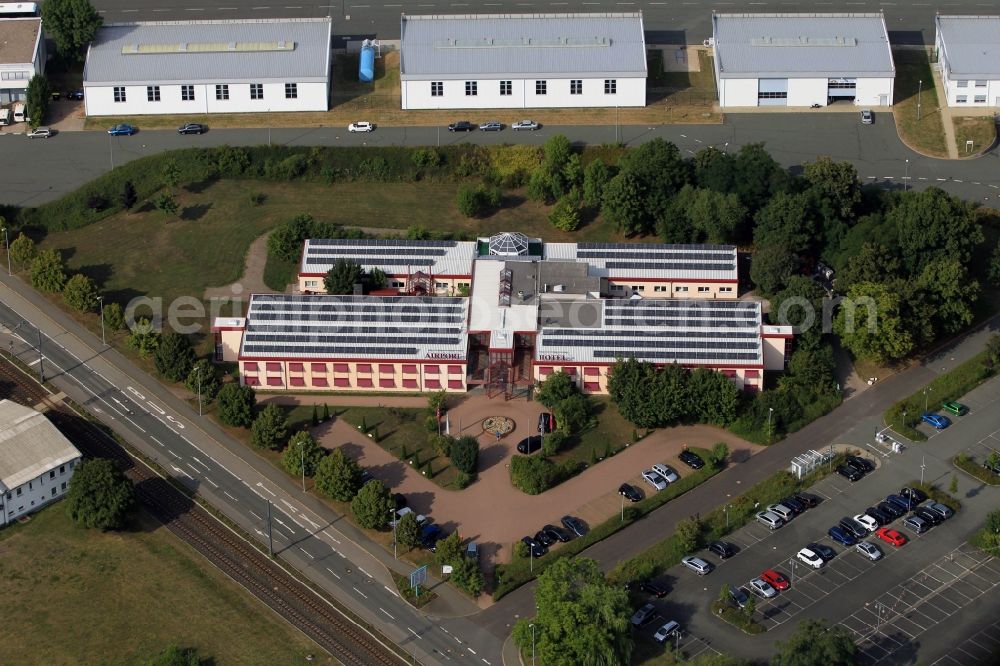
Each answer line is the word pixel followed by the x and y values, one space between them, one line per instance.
pixel 557 533
pixel 914 494
pixel 762 588
pixel 529 444
pixel 810 558
pixel 900 502
pixel 574 525
pixel 942 510
pixel 928 515
pixel 842 536
pixel 863 464
pixel 649 587
pixel 770 519
pixel 537 548
pixel 867 117
pixel 849 472
pixel 491 126
pixel 192 128
pixel 892 510
pixel 825 552
pixel 776 579
pixel 41 133
pixel 630 492
pixel 956 408
pixel 76 94
pixel 361 126
pixel 697 565
pixel 808 499
pixel 546 423
pixel 643 615
pixel 472 551
pixel 430 535
pixel 854 527
pixel 542 537
pixel 691 459
pixel 991 466
pixel 724 549
pixel 891 536
pixel 654 479
pixel 365 476
pixel 122 130
pixel 867 522
pixel 530 125
pixel 667 472
pixel 461 126
pixel 785 512
pixel 878 515
pixel 402 512
pixel 739 596
pixel 666 631
pixel 794 504
pixel 936 421
pixel 869 550
pixel 916 524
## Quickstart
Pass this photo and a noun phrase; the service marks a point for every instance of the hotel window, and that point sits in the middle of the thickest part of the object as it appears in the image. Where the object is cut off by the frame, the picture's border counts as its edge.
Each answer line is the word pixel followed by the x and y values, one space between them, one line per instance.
pixel 256 91
pixel 726 289
pixel 962 84
pixel 576 87
pixel 961 99
pixel 618 287
pixel 979 99
pixel 291 91
pixel 638 287
pixel 703 290
pixel 187 93
pixel 541 87
pixel 440 285
pixel 397 284
pixel 610 86
pixel 312 283
pixel 506 88
pixel 660 287
pixel 437 88
pixel 980 84
pixel 680 289
pixel 119 93
pixel 222 91
pixel 152 93
pixel 471 88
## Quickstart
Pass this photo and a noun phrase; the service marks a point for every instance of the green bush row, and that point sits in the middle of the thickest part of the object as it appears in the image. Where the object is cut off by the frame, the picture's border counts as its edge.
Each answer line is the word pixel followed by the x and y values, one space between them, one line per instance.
pixel 951 385
pixel 937 495
pixel 737 618
pixel 967 465
pixel 509 577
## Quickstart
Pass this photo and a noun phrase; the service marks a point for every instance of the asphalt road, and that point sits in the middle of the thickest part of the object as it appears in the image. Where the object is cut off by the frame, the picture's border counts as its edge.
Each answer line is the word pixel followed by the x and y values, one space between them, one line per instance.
pixel 666 22
pixel 47 169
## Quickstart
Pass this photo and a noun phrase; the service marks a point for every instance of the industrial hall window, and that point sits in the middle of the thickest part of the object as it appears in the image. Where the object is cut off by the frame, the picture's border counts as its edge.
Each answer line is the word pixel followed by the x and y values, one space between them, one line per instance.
pixel 119 93
pixel 222 91
pixel 437 88
pixel 187 93
pixel 540 87
pixel 576 87
pixel 772 95
pixel 152 93
pixel 610 86
pixel 256 91
pixel 506 88
pixel 291 91
pixel 471 88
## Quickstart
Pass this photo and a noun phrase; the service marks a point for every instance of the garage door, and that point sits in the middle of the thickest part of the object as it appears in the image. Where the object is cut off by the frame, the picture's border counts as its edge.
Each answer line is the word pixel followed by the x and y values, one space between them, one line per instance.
pixel 772 92
pixel 842 88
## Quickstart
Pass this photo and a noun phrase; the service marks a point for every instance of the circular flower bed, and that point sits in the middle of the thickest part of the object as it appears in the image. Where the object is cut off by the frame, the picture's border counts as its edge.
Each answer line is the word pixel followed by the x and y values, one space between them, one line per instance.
pixel 498 425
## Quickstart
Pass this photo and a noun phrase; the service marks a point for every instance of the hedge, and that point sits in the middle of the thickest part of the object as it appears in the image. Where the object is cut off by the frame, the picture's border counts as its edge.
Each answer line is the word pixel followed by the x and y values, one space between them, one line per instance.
pixel 737 618
pixel 967 465
pixel 937 495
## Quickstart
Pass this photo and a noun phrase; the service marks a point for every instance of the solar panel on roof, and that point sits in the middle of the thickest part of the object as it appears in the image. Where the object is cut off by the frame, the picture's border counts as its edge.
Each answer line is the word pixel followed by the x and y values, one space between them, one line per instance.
pixel 671 246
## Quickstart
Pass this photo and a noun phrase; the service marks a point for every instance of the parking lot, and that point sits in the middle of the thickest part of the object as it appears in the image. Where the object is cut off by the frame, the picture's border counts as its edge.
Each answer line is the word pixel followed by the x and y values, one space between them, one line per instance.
pixel 980 648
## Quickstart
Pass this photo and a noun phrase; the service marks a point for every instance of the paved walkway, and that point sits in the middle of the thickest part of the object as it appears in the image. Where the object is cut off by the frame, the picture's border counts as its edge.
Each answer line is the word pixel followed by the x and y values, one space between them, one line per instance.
pixel 947 121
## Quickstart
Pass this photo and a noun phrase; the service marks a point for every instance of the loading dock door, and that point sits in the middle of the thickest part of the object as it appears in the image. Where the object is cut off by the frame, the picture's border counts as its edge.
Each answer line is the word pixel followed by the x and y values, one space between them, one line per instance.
pixel 838 89
pixel 772 92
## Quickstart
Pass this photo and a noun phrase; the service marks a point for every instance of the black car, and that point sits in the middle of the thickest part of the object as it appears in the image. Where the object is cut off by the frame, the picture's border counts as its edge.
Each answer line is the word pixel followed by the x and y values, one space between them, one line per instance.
pixel 365 476
pixel 904 504
pixel 537 549
pixel 863 464
pixel 891 509
pixel 400 501
pixel 878 515
pixel 692 460
pixel 461 126
pixel 825 552
pixel 430 535
pixel 192 128
pixel 557 533
pixel 849 472
pixel 928 515
pixel 542 537
pixel 854 527
pixel 794 504
pixel 529 444
pixel 723 549
pixel 914 494
pixel 76 94
pixel 630 492
pixel 657 591
pixel 808 499
pixel 574 525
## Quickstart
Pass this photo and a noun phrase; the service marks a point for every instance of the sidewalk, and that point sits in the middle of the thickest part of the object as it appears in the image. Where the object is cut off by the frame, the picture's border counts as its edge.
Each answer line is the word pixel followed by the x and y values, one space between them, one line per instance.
pixel 947 120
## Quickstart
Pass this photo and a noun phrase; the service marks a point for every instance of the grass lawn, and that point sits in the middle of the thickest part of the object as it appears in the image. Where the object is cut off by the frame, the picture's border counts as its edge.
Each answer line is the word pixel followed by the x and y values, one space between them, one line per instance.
pixel 927 134
pixel 90 597
pixel 981 130
pixel 611 433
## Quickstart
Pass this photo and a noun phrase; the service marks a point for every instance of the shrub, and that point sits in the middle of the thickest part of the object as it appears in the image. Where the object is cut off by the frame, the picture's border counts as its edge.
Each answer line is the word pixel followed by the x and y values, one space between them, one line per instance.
pixel 257 199
pixel 426 157
pixel 565 216
pixel 80 293
pixel 372 504
pixel 478 200
pixel 236 403
pixel 465 454
pixel 48 272
pixel 302 450
pixel 143 338
pixel 533 474
pixel 269 428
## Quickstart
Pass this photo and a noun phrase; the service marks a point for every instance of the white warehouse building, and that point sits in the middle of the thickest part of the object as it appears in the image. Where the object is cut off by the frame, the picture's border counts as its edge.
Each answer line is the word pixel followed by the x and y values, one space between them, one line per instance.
pixel 22 55
pixel 968 55
pixel 802 59
pixel 36 461
pixel 201 67
pixel 522 61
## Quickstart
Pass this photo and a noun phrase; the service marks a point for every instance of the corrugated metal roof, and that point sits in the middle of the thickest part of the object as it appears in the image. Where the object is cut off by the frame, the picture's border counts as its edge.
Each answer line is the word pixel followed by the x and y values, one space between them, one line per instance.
pixel 18 38
pixel 29 445
pixel 190 52
pixel 972 45
pixel 392 256
pixel 802 45
pixel 517 45
pixel 652 261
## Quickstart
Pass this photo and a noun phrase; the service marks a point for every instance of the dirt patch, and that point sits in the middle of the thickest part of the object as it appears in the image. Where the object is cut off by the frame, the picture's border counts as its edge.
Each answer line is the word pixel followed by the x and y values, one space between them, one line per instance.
pixel 252 280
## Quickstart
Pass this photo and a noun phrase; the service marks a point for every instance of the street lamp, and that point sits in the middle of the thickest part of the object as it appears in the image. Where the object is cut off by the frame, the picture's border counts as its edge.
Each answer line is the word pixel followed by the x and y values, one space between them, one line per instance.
pixel 906 175
pixel 532 644
pixel 395 521
pixel 925 397
pixel 770 412
pixel 100 300
pixel 6 241
pixel 623 508
pixel 792 562
pixel 302 462
pixel 197 370
pixel 923 461
pixel 728 507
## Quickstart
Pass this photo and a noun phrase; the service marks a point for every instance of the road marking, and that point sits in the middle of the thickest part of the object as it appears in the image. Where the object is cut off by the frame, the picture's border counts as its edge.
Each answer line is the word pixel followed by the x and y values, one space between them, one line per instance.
pixel 341 554
pixel 35 362
pixel 443 629
pixel 262 487
pixel 212 482
pixel 471 651
pixel 333 572
pixel 199 462
pixel 156 440
pixel 303 517
pixel 173 454
pixel 156 407
pixel 229 496
pixel 392 592
pixel 180 471
pixel 255 515
pixel 193 468
pixel 307 553
pixel 415 633
pixel 365 572
pixel 360 592
pixel 387 613
pixel 287 503
pixel 330 536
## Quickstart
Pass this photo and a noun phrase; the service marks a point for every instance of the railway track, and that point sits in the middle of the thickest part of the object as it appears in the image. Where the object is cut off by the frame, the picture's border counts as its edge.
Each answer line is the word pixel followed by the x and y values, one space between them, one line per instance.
pixel 267 581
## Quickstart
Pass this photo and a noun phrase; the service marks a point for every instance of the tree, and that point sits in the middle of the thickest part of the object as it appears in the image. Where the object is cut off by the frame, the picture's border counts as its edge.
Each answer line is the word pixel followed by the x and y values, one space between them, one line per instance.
pixel 285 242
pixel 814 642
pixel 574 414
pixel 114 317
pixel 869 323
pixel 129 197
pixel 72 24
pixel 143 338
pixel 203 380
pixel 302 450
pixel 80 293
pixel 449 550
pixel 714 170
pixel 595 178
pixel 408 531
pixel 750 606
pixel 874 262
pixel 580 617
pixel 342 277
pixel 557 387
pixel 478 200
pixel 174 656
pixel 236 403
pixel 785 221
pixel 533 474
pixel 688 534
pixel 757 176
pixel 38 95
pixel 269 428
pixel 837 182
pixel 713 397
pixel 99 495
pixel 465 454
pixel 772 268
pixel 565 216
pixel 48 272
pixel 22 250
pixel 467 575
pixel 174 356
pixel 166 204
pixel 171 173
pixel 720 451
pixel 623 205
pixel 628 385
pixel 338 476
pixel 932 225
pixel 993 348
pixel 949 292
pixel 372 504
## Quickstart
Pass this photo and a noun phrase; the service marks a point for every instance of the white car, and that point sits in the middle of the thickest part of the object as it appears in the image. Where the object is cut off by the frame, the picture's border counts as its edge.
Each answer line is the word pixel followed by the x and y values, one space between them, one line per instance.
pixel 809 557
pixel 666 471
pixel 525 125
pixel 869 550
pixel 361 126
pixel 654 479
pixel 402 512
pixel 762 588
pixel 867 521
pixel 664 632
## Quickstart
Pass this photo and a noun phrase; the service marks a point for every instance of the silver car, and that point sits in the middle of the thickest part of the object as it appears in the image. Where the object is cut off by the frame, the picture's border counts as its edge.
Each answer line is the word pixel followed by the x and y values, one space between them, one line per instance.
pixel 654 479
pixel 529 125
pixel 762 588
pixel 697 565
pixel 869 550
pixel 41 133
pixel 770 519
pixel 866 117
pixel 666 471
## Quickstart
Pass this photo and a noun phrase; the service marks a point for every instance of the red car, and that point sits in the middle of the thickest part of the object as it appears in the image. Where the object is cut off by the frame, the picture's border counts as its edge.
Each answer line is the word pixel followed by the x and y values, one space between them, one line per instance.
pixel 890 536
pixel 777 581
